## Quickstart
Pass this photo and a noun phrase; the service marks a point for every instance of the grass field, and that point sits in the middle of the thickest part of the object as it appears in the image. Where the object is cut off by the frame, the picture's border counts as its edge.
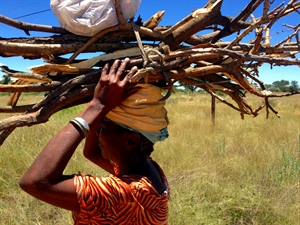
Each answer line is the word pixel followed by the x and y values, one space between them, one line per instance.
pixel 235 172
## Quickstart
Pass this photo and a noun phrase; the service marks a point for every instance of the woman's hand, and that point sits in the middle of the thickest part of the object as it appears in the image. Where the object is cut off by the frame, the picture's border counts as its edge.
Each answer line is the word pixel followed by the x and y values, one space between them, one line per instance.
pixel 108 94
pixel 112 84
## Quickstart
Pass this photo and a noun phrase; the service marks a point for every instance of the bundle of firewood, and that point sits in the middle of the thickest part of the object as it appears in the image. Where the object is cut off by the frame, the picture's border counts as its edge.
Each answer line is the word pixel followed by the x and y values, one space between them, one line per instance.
pixel 164 55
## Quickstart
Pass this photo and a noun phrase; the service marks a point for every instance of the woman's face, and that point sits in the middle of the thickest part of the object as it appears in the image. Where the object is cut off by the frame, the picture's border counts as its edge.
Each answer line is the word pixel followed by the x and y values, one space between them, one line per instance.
pixel 112 139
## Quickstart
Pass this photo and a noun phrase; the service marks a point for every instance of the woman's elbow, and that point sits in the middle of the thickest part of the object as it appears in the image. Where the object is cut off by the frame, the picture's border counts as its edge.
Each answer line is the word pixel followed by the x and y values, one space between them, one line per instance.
pixel 31 185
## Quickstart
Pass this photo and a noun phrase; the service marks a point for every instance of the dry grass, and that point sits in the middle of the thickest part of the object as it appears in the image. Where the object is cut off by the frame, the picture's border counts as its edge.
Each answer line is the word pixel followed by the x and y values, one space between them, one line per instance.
pixel 236 172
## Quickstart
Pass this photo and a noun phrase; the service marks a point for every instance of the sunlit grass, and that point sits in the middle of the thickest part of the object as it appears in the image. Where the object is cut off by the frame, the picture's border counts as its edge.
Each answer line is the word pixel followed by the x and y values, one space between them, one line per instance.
pixel 235 172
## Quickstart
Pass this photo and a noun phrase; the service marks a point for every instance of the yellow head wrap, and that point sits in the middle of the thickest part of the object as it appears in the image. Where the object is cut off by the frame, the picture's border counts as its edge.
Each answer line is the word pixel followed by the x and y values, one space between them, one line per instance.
pixel 141 110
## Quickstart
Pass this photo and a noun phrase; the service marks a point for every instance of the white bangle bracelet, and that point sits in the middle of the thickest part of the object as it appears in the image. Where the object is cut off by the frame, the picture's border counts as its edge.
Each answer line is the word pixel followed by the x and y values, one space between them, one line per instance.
pixel 81 124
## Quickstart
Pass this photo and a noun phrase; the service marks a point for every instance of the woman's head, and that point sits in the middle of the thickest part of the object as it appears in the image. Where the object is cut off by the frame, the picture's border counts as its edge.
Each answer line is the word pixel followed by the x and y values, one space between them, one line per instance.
pixel 136 124
pixel 116 141
pixel 143 113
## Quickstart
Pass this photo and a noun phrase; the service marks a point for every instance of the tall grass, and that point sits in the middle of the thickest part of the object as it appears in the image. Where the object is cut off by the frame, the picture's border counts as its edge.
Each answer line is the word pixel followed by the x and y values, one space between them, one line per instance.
pixel 235 172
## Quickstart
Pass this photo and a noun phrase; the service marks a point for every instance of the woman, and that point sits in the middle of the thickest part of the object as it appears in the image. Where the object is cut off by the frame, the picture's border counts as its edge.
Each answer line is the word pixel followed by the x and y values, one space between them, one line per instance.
pixel 120 125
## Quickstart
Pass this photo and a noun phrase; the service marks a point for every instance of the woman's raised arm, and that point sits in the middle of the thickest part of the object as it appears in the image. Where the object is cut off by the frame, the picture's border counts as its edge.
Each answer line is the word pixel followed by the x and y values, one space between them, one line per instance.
pixel 44 179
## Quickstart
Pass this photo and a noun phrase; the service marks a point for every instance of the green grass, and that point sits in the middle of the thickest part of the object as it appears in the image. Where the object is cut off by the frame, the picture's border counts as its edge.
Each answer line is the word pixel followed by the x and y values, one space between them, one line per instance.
pixel 235 172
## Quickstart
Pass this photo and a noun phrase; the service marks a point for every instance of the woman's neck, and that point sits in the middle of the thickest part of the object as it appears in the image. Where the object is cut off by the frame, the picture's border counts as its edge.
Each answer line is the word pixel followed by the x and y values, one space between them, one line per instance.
pixel 135 165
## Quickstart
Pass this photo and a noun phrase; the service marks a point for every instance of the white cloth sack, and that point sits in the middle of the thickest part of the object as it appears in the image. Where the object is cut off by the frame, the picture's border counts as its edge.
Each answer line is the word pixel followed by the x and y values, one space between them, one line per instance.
pixel 88 17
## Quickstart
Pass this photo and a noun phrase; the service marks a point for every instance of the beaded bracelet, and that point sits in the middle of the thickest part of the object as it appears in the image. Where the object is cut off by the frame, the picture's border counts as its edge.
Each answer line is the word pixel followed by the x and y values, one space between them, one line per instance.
pixel 81 124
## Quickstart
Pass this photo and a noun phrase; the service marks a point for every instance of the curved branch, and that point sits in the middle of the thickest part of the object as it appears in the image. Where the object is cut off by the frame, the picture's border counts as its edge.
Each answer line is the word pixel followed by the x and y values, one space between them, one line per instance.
pixel 77 81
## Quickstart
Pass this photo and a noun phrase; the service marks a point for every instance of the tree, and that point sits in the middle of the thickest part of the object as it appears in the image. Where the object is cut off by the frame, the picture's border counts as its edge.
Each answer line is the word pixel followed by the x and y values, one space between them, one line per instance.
pixel 282 85
pixel 269 86
pixel 6 79
pixel 187 87
pixel 294 86
pixel 191 88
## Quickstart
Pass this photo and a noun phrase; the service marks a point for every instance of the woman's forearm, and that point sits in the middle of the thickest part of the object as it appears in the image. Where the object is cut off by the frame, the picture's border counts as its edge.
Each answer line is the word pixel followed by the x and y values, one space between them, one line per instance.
pixel 48 167
pixel 92 150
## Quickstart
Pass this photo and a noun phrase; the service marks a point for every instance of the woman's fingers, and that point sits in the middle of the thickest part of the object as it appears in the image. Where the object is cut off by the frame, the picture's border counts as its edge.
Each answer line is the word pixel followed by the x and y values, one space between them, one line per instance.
pixel 123 65
pixel 131 72
pixel 113 83
pixel 121 69
pixel 116 73
pixel 110 70
pixel 104 70
pixel 114 68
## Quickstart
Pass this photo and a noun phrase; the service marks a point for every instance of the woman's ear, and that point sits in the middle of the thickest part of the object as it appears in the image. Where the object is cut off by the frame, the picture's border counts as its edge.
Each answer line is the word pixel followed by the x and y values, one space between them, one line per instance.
pixel 133 140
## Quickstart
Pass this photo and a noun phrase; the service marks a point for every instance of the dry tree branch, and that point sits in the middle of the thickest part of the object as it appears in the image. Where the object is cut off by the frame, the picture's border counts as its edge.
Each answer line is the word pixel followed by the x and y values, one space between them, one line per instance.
pixel 266 9
pixel 44 113
pixel 278 15
pixel 26 27
pixel 39 87
pixel 287 38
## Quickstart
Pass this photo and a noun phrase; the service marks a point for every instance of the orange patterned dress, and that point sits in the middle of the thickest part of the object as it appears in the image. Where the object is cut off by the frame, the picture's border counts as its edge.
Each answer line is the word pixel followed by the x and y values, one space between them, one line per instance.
pixel 124 200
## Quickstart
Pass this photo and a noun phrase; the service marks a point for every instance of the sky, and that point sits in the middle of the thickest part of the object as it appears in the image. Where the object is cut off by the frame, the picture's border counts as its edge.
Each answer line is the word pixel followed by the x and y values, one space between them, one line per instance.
pixel 175 10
